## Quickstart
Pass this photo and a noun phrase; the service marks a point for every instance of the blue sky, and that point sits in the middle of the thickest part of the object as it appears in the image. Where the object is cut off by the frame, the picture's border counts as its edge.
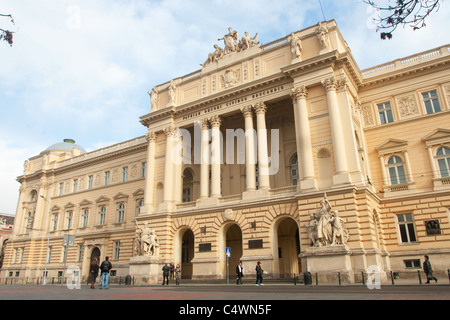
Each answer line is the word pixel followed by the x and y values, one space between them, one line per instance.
pixel 81 69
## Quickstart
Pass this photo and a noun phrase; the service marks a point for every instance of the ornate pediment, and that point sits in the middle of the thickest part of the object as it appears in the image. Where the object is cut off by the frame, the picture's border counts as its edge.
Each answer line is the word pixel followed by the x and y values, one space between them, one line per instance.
pixel 438 136
pixel 392 145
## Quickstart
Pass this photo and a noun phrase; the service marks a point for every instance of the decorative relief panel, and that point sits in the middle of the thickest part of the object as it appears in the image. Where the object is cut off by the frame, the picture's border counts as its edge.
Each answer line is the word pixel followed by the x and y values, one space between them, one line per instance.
pixel 407 106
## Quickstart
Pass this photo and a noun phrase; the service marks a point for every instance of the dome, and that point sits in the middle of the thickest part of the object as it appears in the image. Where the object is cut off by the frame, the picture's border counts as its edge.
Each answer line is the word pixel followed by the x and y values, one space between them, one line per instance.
pixel 66 145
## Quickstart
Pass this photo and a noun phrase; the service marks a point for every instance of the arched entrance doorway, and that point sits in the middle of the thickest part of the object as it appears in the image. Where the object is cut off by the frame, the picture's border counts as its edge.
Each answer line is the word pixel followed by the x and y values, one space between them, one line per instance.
pixel 187 254
pixel 233 240
pixel 287 246
pixel 95 254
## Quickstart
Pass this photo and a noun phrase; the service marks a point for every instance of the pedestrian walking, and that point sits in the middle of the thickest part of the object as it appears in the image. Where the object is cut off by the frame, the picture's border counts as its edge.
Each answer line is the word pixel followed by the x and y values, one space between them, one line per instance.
pixel 93 271
pixel 239 272
pixel 165 271
pixel 105 267
pixel 259 274
pixel 177 274
pixel 428 270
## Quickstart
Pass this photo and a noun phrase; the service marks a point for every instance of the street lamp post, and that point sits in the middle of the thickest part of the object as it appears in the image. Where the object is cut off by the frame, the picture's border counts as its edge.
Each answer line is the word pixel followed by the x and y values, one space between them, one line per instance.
pixel 48 241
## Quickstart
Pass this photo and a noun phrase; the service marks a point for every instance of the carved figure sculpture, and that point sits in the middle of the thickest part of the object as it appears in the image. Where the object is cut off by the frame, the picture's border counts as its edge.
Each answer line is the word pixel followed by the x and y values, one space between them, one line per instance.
pixel 296 46
pixel 230 41
pixel 326 227
pixel 147 242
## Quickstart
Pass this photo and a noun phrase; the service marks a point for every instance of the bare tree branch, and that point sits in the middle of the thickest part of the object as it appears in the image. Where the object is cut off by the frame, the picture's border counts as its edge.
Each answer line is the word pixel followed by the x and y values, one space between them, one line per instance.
pixel 7 35
pixel 396 13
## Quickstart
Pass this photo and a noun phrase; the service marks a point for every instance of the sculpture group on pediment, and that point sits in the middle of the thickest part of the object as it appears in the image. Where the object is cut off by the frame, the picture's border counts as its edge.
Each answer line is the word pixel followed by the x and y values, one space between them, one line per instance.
pixel 231 44
pixel 325 227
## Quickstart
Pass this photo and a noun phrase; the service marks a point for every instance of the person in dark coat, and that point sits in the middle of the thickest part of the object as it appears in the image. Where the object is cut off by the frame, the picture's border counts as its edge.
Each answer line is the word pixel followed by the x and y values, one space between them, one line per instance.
pixel 428 270
pixel 166 271
pixel 105 267
pixel 93 271
pixel 259 274
pixel 239 273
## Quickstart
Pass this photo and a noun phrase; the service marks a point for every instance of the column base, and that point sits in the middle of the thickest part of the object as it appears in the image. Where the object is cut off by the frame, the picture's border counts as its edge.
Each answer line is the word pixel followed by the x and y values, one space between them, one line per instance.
pixel 342 178
pixel 255 194
pixel 208 202
pixel 307 184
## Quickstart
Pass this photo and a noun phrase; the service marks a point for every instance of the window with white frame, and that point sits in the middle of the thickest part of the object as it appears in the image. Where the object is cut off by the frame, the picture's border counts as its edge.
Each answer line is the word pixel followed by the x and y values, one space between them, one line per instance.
pixel 406 228
pixel 396 170
pixel 121 212
pixel 140 204
pixel 80 253
pixel 102 216
pixel 69 219
pixel 75 185
pixel 124 174
pixel 431 101
pixel 85 218
pixel 143 169
pixel 443 159
pixel 385 113
pixel 55 222
pixel 90 181
pixel 116 250
pixel 107 173
pixel 294 169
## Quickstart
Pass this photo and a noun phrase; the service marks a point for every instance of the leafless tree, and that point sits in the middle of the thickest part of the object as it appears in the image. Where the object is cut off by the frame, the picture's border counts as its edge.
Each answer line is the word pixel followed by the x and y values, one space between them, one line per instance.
pixel 7 35
pixel 394 13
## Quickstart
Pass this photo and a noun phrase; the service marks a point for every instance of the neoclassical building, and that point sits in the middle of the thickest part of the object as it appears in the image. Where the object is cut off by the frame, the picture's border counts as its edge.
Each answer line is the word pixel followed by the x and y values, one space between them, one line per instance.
pixel 285 153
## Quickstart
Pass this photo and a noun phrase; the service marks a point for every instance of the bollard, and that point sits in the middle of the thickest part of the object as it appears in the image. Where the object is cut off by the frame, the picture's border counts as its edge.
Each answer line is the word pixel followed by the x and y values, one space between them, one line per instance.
pixel 363 280
pixel 317 278
pixel 392 278
pixel 420 278
pixel 339 278
pixel 448 272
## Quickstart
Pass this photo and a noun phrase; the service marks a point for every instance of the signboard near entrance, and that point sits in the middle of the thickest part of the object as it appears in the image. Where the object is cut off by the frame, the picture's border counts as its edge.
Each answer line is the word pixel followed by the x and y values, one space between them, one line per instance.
pixel 227 252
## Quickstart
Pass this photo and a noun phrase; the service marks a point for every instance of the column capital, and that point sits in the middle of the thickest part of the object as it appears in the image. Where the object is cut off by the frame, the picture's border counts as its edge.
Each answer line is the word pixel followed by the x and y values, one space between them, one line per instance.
pixel 151 136
pixel 215 121
pixel 247 111
pixel 299 93
pixel 169 131
pixel 260 108
pixel 329 84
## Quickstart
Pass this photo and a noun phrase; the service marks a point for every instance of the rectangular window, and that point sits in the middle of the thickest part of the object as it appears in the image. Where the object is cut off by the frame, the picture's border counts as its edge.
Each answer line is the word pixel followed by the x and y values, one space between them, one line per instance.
pixel 116 250
pixel 80 253
pixel 143 169
pixel 69 219
pixel 406 228
pixel 124 174
pixel 90 182
pixel 102 218
pixel 75 185
pixel 85 218
pixel 385 113
pixel 55 222
pixel 106 178
pixel 61 188
pixel 431 102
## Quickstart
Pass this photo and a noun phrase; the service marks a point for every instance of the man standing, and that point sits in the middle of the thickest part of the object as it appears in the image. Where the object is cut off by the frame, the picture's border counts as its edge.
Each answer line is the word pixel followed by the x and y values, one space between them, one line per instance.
pixel 105 267
pixel 165 271
pixel 239 273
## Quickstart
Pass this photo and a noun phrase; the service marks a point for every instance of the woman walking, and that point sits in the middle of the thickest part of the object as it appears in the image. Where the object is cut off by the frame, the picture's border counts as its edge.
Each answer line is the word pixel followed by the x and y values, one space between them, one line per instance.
pixel 428 270
pixel 93 271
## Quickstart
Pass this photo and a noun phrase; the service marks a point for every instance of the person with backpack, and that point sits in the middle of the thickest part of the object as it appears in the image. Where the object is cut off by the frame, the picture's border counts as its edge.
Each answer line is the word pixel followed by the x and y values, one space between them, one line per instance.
pixel 104 268
pixel 259 274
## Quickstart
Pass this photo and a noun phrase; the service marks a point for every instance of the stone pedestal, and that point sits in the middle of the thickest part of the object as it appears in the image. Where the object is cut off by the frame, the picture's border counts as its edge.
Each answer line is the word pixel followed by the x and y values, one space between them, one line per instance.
pixel 146 270
pixel 329 263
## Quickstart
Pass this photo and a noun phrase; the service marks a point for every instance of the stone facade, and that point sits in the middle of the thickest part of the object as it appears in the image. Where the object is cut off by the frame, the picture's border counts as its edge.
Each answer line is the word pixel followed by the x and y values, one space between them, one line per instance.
pixel 375 142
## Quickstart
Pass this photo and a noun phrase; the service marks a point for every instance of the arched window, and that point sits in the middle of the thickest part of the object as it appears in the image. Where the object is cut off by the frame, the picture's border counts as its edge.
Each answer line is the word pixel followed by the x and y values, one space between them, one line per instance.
pixel 294 169
pixel 102 217
pixel 121 212
pixel 396 170
pixel 443 158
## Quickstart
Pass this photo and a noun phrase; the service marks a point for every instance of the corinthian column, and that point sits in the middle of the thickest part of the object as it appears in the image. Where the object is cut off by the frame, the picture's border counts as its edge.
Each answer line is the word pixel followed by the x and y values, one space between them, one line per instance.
pixel 250 159
pixel 263 156
pixel 303 138
pixel 215 156
pixel 150 173
pixel 204 165
pixel 342 175
pixel 169 170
